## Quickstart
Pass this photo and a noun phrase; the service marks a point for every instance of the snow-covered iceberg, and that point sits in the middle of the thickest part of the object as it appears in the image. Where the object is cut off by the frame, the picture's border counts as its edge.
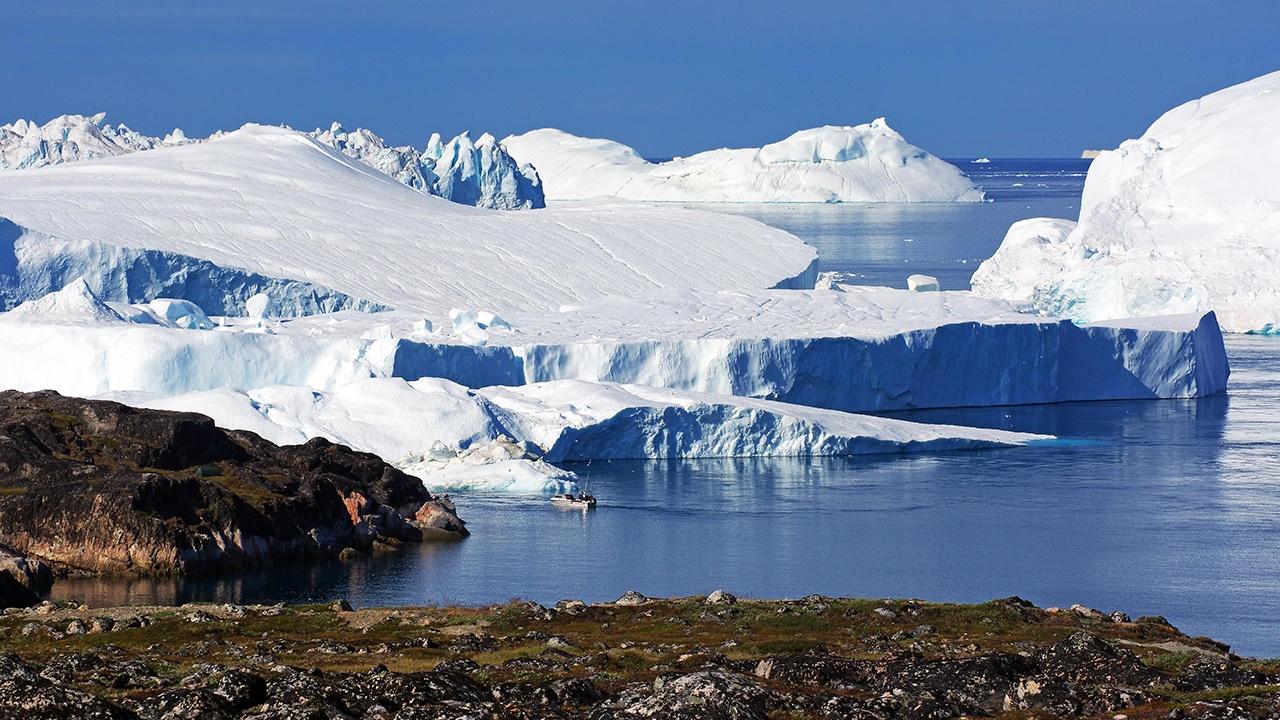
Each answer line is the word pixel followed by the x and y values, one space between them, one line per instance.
pixel 863 163
pixel 265 209
pixel 1185 219
pixel 858 350
pixel 480 173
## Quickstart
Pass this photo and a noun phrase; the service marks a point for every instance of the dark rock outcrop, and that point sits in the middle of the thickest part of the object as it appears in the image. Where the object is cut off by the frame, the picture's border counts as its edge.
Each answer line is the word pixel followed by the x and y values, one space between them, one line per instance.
pixel 98 486
pixel 21 578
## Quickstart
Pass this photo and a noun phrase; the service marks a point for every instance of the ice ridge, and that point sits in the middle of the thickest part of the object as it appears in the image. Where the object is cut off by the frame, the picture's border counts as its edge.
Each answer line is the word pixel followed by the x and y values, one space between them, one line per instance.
pixel 480 174
pixel 477 173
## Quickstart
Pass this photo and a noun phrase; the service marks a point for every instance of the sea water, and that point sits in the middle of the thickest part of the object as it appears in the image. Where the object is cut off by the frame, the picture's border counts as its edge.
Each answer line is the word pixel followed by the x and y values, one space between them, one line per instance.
pixel 1153 507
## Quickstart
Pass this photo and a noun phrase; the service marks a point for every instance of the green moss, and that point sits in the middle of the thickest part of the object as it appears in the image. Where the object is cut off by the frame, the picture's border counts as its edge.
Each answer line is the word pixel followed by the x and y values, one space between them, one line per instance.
pixel 61 421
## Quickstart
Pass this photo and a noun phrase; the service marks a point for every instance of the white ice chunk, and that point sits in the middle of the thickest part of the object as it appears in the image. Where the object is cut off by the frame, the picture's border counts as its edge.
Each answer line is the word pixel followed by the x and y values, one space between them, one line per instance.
pixel 182 313
pixel 257 305
pixel 923 283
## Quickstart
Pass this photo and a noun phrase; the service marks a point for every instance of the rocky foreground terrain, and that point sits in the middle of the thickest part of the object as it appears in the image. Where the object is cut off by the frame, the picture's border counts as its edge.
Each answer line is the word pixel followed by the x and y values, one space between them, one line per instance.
pixel 713 658
pixel 93 486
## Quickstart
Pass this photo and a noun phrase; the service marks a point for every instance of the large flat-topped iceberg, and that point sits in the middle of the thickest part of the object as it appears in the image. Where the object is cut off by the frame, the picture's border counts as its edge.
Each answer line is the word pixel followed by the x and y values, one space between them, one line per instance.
pixel 1184 219
pixel 271 210
pixel 863 163
pixel 864 349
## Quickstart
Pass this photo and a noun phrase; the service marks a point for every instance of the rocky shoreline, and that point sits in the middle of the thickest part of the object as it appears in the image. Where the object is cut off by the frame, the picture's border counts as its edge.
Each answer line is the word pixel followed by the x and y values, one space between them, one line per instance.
pixel 99 487
pixel 713 657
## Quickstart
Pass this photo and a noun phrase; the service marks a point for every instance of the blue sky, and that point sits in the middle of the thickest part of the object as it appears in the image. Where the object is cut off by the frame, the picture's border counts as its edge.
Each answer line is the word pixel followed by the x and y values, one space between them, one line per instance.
pixel 958 78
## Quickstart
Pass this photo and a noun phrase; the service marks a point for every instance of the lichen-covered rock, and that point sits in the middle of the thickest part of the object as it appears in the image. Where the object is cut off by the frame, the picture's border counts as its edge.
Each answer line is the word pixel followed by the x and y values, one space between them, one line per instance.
pixel 1211 673
pixel 25 694
pixel 706 695
pixel 821 670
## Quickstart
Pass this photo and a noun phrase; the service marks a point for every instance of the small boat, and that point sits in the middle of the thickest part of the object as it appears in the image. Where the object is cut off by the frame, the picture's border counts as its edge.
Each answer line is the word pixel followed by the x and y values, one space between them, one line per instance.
pixel 581 501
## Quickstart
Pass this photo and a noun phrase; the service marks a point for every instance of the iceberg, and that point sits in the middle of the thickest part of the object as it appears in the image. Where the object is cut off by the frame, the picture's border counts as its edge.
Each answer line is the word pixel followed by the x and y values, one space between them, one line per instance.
pixel 504 438
pixel 576 420
pixel 480 174
pixel 68 138
pixel 859 349
pixel 1185 219
pixel 863 163
pixel 268 210
pixel 477 173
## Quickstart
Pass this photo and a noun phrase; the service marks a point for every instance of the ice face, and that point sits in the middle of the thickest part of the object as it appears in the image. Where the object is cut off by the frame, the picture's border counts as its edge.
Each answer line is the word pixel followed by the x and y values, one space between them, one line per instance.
pixel 857 350
pixel 1184 219
pixel 864 163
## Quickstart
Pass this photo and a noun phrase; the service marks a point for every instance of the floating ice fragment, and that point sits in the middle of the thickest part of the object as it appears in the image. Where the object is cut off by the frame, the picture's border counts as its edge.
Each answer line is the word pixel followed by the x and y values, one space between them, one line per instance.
pixel 923 283
pixel 182 313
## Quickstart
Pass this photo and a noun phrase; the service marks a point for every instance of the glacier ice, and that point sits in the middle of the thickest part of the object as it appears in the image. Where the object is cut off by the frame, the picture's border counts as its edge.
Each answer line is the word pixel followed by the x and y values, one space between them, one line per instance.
pixel 480 174
pixel 1184 219
pixel 270 210
pixel 863 163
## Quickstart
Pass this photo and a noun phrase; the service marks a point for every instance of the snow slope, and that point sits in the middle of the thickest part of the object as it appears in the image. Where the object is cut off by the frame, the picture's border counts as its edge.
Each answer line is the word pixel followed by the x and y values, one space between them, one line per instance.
pixel 480 173
pixel 865 163
pixel 1184 219
pixel 266 209
pixel 858 350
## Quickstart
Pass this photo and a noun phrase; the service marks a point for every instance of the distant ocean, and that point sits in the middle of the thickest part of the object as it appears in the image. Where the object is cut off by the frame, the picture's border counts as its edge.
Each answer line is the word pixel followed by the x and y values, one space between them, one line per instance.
pixel 881 244
pixel 1158 507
